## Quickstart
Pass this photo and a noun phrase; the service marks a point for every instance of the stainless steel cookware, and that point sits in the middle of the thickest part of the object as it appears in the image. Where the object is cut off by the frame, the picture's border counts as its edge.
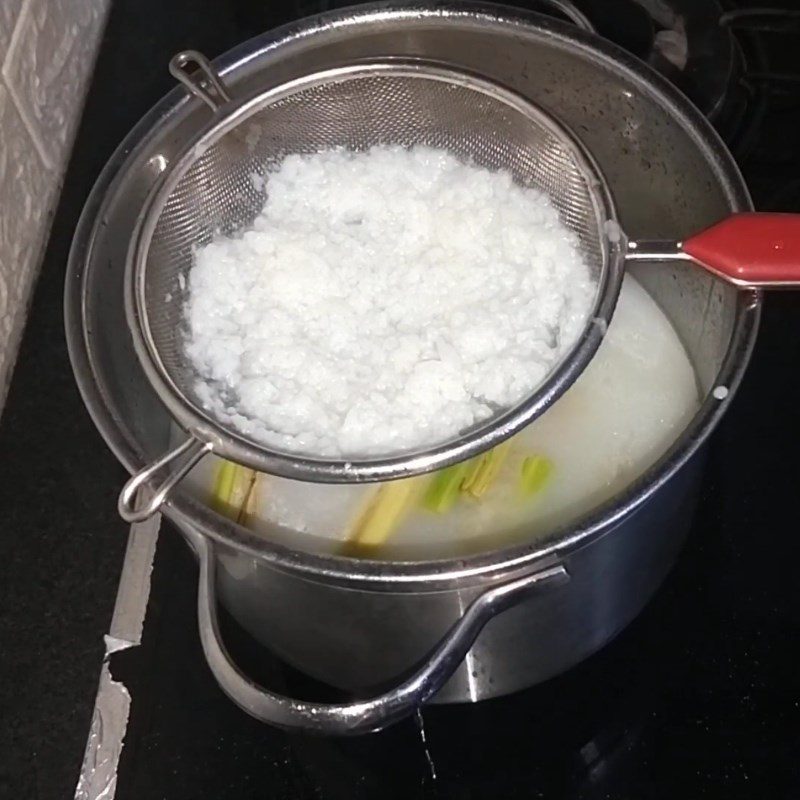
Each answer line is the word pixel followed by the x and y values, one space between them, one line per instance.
pixel 451 630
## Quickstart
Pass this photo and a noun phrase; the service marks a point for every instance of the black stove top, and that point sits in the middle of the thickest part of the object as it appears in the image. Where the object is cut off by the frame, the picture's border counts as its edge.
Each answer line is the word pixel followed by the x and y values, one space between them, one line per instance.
pixel 700 696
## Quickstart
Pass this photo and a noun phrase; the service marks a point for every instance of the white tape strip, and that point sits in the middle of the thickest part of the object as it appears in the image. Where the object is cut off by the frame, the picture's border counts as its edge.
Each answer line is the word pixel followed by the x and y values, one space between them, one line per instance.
pixel 98 778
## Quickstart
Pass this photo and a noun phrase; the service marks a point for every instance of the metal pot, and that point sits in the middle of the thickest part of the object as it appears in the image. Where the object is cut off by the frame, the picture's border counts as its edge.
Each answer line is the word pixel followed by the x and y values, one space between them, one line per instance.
pixel 496 622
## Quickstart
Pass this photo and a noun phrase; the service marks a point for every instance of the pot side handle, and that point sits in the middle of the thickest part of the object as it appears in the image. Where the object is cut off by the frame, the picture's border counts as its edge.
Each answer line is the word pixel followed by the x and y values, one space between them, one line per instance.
pixel 359 716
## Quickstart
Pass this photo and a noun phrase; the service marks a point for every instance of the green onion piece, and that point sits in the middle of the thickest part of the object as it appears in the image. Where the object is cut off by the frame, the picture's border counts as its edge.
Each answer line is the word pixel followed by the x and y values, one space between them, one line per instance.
pixel 536 473
pixel 445 487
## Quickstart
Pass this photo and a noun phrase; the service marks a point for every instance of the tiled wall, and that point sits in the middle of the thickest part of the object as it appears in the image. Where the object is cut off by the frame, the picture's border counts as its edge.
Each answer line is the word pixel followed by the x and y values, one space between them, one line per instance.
pixel 47 50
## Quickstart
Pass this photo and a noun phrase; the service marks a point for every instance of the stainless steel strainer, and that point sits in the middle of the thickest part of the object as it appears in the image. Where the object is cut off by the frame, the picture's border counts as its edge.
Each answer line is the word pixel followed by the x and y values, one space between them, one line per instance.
pixel 210 190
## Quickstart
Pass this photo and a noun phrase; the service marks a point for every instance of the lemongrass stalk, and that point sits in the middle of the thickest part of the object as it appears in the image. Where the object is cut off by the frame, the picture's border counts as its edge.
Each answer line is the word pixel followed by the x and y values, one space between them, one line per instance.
pixel 384 509
pixel 485 470
pixel 233 490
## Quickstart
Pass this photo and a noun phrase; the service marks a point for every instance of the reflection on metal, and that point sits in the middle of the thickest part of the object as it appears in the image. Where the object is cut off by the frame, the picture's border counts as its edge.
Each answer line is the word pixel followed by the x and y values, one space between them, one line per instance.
pixel 98 777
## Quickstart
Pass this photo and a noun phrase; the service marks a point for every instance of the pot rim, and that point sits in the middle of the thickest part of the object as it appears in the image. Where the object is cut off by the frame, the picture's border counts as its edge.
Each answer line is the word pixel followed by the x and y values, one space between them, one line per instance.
pixel 428 575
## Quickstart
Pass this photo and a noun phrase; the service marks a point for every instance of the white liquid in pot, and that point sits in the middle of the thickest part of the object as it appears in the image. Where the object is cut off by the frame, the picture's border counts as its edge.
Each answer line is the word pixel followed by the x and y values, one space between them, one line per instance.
pixel 620 416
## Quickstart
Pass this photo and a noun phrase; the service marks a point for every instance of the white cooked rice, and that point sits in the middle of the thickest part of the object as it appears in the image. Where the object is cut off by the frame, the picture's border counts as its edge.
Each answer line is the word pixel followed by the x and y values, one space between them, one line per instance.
pixel 382 301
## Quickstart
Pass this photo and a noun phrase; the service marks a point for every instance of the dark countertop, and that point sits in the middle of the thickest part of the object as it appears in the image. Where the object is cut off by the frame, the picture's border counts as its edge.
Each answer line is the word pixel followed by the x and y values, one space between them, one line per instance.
pixel 700 697
pixel 61 541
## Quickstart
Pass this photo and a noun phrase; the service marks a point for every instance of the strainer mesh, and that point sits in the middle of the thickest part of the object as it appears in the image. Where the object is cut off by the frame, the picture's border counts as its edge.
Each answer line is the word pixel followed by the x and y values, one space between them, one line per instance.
pixel 218 194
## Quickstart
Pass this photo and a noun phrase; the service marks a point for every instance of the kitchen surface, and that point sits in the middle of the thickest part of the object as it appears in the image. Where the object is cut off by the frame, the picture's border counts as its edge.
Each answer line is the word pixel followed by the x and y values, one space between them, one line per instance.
pixel 698 697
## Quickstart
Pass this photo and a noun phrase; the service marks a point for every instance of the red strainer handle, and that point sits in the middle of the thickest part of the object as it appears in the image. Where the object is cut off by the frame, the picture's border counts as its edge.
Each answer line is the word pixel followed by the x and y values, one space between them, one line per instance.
pixel 751 249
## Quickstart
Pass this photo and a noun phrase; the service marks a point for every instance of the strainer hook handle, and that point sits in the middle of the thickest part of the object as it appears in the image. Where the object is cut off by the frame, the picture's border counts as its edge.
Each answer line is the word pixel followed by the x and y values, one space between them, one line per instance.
pixel 190 451
pixel 197 74
pixel 573 13
pixel 377 712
